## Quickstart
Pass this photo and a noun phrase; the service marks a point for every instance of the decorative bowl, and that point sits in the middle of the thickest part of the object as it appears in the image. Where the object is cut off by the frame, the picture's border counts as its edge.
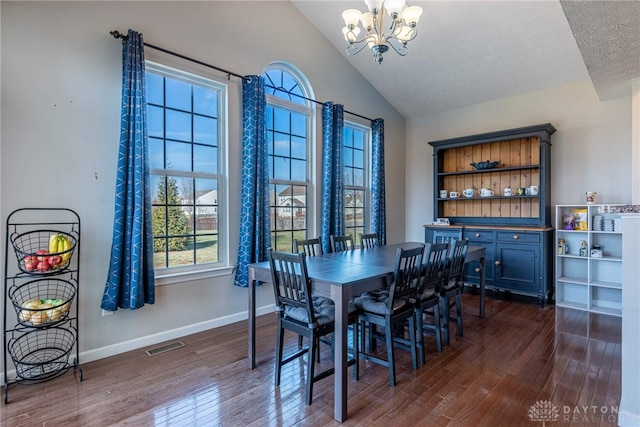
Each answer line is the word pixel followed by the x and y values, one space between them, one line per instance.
pixel 485 165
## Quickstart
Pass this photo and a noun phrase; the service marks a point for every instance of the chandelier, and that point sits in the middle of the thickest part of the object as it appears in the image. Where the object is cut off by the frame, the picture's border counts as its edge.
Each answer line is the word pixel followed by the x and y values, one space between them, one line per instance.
pixel 379 35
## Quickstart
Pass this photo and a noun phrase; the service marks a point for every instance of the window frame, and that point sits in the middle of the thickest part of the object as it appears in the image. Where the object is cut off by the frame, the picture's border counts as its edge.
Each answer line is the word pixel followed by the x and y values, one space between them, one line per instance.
pixel 308 109
pixel 366 180
pixel 221 267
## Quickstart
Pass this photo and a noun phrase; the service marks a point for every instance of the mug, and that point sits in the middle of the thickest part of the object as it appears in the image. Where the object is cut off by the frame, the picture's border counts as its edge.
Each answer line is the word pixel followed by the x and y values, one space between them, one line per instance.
pixel 485 192
pixel 468 192
pixel 533 190
pixel 443 194
pixel 523 191
pixel 507 191
pixel 454 194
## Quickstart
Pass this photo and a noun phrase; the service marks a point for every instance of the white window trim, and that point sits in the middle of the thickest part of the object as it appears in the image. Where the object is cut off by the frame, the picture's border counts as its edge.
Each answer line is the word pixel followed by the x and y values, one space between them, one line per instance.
pixel 223 267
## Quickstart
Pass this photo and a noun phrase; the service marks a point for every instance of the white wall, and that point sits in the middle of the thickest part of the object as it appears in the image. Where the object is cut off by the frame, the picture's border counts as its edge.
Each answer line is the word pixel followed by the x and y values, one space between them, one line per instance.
pixel 591 149
pixel 61 77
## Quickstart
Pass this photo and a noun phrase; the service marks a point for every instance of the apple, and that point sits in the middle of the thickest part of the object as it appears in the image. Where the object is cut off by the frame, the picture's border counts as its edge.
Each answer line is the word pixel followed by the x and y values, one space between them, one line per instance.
pixel 42 252
pixel 55 261
pixel 30 263
pixel 43 266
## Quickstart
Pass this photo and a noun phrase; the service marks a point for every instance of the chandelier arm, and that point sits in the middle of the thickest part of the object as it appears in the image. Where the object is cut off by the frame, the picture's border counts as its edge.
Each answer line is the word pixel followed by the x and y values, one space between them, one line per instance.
pixel 401 50
pixel 356 46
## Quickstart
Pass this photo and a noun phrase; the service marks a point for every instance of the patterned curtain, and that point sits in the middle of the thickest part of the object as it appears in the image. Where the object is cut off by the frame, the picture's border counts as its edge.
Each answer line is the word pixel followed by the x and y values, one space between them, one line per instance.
pixel 332 172
pixel 378 206
pixel 255 227
pixel 131 281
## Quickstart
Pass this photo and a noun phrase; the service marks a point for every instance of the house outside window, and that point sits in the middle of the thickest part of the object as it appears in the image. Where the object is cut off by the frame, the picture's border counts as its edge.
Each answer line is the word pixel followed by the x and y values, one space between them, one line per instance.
pixel 356 142
pixel 289 124
pixel 187 143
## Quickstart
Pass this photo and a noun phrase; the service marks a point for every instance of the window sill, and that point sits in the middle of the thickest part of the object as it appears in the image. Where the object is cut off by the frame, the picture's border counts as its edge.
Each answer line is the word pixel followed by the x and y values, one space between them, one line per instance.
pixel 173 278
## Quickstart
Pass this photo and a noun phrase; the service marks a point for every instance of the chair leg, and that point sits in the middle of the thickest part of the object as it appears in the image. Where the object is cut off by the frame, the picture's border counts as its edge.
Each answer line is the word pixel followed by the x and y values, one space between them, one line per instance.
pixel 459 313
pixel 445 319
pixel 420 337
pixel 279 345
pixel 412 340
pixel 356 352
pixel 314 341
pixel 438 327
pixel 390 354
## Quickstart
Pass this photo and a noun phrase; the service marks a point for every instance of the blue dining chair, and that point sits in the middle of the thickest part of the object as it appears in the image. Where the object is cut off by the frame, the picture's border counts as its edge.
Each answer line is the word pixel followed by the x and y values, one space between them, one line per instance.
pixel 298 313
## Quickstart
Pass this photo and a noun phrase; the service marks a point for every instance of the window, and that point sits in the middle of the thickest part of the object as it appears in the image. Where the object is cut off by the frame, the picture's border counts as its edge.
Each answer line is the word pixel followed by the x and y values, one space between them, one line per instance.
pixel 356 181
pixel 187 128
pixel 289 124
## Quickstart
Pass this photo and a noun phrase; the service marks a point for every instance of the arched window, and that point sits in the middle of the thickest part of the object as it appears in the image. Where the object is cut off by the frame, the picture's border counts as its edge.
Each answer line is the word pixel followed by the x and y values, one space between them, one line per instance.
pixel 290 115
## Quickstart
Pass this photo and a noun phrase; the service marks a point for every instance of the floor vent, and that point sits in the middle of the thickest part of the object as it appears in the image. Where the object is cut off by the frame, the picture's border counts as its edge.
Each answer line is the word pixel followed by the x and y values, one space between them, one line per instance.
pixel 164 348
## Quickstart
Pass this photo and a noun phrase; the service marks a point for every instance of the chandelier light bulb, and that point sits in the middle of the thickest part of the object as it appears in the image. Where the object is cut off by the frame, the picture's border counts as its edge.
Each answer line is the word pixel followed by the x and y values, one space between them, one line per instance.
pixel 351 34
pixel 394 7
pixel 351 17
pixel 411 15
pixel 374 5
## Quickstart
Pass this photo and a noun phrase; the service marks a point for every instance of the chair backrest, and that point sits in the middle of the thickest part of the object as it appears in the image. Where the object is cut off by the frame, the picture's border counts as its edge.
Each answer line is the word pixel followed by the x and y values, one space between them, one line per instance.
pixel 434 269
pixel 291 283
pixel 458 253
pixel 368 241
pixel 341 243
pixel 406 274
pixel 310 247
pixel 446 236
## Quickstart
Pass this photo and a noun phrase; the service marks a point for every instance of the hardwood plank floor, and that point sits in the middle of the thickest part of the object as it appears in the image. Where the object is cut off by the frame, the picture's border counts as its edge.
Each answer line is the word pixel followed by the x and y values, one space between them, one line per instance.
pixel 517 358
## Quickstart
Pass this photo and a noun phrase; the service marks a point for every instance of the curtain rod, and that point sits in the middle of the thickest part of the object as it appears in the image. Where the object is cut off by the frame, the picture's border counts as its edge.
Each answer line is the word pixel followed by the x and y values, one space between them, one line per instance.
pixel 118 35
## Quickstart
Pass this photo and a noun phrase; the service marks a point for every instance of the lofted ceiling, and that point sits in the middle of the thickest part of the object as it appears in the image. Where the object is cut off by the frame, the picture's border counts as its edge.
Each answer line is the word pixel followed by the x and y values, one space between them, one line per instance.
pixel 469 52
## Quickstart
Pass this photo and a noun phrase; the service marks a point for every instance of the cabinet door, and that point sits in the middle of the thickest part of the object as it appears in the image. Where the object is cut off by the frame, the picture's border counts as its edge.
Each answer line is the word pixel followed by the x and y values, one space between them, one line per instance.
pixel 483 238
pixel 517 267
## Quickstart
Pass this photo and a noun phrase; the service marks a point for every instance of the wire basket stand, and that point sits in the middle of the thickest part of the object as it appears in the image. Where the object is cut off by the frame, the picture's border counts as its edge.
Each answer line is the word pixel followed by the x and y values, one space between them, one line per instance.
pixel 41 286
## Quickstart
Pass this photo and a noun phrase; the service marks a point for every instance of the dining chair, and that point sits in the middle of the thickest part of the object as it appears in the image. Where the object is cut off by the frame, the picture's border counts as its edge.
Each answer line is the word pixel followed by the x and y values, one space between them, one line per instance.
pixel 299 313
pixel 434 273
pixel 390 308
pixel 341 243
pixel 453 286
pixel 368 241
pixel 310 247
pixel 446 236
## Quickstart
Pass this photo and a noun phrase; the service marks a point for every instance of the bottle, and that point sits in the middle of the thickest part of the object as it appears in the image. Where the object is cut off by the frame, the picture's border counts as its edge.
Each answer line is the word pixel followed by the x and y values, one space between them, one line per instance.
pixel 562 247
pixel 583 248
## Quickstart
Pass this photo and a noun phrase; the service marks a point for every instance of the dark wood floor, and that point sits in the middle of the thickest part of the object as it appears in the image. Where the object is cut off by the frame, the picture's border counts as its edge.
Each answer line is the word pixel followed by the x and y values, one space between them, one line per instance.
pixel 519 358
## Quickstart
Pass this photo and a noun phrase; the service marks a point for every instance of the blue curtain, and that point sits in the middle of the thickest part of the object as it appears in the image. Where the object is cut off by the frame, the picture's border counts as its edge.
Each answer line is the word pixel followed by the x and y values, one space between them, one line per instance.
pixel 131 282
pixel 255 228
pixel 378 207
pixel 332 172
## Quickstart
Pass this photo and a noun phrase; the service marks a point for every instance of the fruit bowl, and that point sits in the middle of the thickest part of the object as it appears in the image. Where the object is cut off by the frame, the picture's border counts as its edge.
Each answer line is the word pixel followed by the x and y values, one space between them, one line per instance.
pixel 43 251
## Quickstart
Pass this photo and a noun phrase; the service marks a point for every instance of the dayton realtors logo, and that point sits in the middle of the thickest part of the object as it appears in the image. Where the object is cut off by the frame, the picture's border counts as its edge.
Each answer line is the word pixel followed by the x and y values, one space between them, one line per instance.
pixel 545 411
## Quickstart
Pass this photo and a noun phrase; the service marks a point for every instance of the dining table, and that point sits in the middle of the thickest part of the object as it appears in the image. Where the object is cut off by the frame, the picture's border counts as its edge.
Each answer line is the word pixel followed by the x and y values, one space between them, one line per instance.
pixel 340 276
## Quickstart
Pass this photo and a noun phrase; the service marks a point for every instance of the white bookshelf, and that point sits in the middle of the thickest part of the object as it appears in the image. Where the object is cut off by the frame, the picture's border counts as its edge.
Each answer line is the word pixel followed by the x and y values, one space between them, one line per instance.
pixel 587 282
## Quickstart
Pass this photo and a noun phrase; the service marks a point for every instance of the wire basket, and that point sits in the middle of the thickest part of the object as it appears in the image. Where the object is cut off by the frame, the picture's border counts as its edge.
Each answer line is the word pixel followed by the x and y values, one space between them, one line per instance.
pixel 42 353
pixel 42 302
pixel 34 256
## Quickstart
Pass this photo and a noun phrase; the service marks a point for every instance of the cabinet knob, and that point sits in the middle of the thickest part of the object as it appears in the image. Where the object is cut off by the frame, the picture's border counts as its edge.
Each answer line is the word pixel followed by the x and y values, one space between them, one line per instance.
pixel 497 263
pixel 477 234
pixel 477 270
pixel 516 237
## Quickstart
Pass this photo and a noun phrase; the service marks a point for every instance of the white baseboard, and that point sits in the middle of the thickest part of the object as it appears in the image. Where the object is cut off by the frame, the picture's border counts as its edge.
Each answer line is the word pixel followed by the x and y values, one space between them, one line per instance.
pixel 114 349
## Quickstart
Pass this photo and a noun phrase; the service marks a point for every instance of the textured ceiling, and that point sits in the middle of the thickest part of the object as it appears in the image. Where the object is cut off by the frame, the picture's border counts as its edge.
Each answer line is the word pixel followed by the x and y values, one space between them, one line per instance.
pixel 469 52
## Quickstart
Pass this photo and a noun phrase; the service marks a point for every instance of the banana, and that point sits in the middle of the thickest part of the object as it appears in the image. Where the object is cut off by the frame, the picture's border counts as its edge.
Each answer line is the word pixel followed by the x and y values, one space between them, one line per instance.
pixel 53 243
pixel 65 244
